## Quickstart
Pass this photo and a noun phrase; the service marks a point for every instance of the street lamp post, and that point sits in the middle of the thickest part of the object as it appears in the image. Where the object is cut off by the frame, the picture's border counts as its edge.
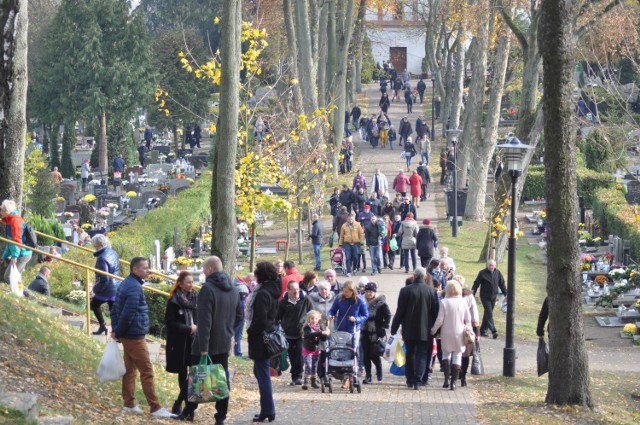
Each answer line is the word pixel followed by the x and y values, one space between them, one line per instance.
pixel 515 151
pixel 452 135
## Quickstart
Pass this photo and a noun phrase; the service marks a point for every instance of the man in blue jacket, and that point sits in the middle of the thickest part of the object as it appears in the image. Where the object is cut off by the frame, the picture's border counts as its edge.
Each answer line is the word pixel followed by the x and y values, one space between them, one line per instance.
pixel 130 322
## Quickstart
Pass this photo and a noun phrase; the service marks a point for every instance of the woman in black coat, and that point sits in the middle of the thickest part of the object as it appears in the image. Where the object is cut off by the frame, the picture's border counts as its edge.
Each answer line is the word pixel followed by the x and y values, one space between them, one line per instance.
pixel 181 317
pixel 426 242
pixel 263 310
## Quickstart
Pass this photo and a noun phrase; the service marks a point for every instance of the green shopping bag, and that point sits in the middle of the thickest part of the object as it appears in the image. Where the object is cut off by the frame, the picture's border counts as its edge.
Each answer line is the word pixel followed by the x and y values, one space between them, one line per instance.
pixel 393 244
pixel 207 382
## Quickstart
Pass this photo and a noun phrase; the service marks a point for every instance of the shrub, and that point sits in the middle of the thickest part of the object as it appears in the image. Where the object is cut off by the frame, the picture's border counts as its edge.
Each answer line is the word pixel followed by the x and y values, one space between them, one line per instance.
pixel 190 205
pixel 588 182
pixel 617 217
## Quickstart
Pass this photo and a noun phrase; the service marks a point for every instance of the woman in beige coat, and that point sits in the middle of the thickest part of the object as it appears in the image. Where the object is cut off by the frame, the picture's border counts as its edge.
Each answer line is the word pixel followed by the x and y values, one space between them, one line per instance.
pixel 408 232
pixel 452 318
pixel 475 323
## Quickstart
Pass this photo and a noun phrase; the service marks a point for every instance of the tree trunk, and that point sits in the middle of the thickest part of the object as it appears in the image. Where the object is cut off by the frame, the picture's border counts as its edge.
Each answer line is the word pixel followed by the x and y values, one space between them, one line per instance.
pixel 483 149
pixel 13 98
pixel 472 127
pixel 568 361
pixel 304 54
pixel 323 55
pixel 344 28
pixel 224 239
pixel 298 98
pixel 458 82
pixel 358 41
pixel 102 150
pixel 299 235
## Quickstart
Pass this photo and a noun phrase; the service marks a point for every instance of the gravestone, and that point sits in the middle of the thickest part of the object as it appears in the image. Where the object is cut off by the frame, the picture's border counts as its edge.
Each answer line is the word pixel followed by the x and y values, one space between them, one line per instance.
pixel 633 192
pixel 154 194
pixel 165 150
pixel 68 192
pixel 175 184
pixel 183 152
pixel 132 187
pixel 200 160
pixel 151 158
pixel 137 169
pixel 136 203
pixel 60 205
pixel 180 189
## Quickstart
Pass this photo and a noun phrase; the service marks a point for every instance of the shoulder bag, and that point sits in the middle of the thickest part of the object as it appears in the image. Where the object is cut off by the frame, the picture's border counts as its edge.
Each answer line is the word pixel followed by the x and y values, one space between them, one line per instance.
pixel 275 341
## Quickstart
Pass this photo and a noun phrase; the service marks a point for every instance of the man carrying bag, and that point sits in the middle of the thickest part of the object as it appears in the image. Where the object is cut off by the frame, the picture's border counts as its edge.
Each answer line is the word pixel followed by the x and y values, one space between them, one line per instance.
pixel 219 312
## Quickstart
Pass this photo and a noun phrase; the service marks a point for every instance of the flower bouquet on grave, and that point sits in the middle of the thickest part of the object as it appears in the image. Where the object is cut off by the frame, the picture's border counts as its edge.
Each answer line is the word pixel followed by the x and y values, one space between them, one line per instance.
pixel 629 329
pixel 637 305
pixel 89 198
pixel 586 260
pixel 163 188
pixel 618 274
pixel 183 262
pixel 104 212
pixel 634 279
pixel 131 194
pixel 601 280
pixel 87 226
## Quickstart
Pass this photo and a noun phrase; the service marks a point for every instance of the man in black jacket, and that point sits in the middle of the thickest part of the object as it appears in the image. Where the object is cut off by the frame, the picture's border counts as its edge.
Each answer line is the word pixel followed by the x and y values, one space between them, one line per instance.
pixel 489 280
pixel 404 130
pixel 219 312
pixel 423 172
pixel 41 283
pixel 421 89
pixel 356 112
pixel 292 313
pixel 417 311
pixel 372 237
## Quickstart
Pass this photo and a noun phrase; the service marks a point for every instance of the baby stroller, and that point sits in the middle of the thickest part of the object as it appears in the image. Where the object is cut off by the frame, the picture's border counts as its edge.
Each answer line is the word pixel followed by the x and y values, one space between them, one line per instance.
pixel 341 362
pixel 337 260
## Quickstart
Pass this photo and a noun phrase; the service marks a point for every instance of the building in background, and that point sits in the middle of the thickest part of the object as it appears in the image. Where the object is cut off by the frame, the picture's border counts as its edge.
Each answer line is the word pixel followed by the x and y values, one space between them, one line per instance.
pixel 397 35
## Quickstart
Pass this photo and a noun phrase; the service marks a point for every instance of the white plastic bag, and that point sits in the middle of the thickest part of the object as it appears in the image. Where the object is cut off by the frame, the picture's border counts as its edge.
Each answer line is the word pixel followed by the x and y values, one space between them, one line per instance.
pixel 504 305
pixel 390 349
pixel 15 280
pixel 111 367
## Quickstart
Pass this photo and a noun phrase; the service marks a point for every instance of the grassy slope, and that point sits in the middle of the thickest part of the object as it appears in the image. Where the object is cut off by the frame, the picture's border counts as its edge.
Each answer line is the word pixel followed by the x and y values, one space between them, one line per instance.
pixel 40 354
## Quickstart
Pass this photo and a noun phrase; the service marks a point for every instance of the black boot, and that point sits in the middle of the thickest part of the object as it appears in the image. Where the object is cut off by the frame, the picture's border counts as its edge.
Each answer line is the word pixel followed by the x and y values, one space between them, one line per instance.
pixel 463 371
pixel 446 370
pixel 314 383
pixel 101 330
pixel 177 407
pixel 455 371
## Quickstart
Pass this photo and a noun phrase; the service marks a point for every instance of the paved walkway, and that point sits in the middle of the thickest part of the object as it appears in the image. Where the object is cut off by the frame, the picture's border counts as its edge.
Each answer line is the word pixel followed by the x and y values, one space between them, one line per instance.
pixel 389 402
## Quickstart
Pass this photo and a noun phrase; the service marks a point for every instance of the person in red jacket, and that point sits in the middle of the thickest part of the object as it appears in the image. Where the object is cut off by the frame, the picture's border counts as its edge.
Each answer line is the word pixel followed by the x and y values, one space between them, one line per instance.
pixel 416 188
pixel 400 183
pixel 14 226
pixel 291 275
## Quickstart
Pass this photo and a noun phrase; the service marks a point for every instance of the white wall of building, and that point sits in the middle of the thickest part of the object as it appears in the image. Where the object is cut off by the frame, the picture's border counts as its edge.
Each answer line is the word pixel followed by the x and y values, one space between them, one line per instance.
pixel 382 38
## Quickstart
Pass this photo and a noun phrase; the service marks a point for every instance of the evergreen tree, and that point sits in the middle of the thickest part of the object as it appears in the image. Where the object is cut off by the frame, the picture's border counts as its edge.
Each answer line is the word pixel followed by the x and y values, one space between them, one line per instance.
pixel 55 152
pixel 98 64
pixel 68 143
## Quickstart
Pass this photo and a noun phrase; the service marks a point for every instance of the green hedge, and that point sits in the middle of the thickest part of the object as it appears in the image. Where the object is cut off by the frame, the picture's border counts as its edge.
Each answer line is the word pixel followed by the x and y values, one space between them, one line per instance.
pixel 588 182
pixel 186 211
pixel 617 217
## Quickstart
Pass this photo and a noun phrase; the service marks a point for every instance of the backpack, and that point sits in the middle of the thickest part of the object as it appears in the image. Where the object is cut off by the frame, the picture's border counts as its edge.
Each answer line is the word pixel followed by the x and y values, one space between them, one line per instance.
pixel 382 228
pixel 374 129
pixel 29 237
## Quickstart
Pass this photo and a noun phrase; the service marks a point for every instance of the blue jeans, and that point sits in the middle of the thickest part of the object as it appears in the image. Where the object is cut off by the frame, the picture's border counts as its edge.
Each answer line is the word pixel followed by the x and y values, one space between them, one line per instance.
pixel 408 158
pixel 237 338
pixel 425 158
pixel 261 371
pixel 351 253
pixel 391 144
pixel 417 360
pixel 316 253
pixel 405 253
pixel 374 251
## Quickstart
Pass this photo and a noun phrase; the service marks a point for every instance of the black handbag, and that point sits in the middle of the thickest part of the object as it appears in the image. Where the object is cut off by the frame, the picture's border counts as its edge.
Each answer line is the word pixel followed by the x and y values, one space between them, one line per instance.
pixel 477 368
pixel 275 342
pixel 379 346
